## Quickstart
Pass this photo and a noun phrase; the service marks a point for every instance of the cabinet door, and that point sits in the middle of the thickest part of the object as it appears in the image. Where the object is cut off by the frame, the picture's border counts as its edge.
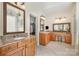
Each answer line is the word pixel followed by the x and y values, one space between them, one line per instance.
pixel 53 37
pixel 68 38
pixel 30 50
pixel 27 49
pixel 50 36
pixel 42 38
pixel 17 52
pixel 45 38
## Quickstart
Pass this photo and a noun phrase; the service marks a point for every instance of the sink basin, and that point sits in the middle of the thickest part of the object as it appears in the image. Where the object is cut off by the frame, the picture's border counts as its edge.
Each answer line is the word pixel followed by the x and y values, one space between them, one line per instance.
pixel 19 38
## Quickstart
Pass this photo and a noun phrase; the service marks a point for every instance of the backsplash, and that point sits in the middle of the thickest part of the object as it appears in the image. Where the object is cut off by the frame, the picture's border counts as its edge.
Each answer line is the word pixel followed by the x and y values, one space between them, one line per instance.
pixel 10 36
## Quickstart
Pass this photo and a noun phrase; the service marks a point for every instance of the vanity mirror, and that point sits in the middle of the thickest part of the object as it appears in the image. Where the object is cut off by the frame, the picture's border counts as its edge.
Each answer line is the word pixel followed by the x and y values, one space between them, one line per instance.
pixel 61 27
pixel 14 19
pixel 42 21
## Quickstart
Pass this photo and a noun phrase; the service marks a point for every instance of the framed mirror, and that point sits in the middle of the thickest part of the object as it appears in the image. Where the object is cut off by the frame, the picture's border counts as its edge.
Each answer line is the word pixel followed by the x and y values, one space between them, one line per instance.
pixel 41 24
pixel 61 27
pixel 14 19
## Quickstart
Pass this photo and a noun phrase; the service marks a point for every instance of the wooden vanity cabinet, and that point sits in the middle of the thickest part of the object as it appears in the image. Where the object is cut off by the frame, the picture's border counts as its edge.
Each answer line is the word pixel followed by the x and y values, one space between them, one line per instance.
pixel 21 43
pixel 21 46
pixel 25 47
pixel 30 48
pixel 52 37
pixel 44 38
pixel 68 38
pixel 16 52
pixel 49 36
pixel 8 48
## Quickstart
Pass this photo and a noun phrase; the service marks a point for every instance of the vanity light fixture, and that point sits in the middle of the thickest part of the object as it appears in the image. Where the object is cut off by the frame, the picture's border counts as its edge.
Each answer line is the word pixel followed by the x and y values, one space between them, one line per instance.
pixel 64 18
pixel 61 18
pixel 20 4
pixel 42 17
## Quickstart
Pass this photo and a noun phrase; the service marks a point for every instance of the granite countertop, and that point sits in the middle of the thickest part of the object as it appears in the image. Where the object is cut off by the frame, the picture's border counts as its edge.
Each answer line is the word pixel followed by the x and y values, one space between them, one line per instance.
pixel 4 42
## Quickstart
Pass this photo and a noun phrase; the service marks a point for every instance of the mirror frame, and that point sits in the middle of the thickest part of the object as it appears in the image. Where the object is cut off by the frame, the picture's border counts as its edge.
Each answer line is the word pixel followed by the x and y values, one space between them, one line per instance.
pixel 62 27
pixel 5 18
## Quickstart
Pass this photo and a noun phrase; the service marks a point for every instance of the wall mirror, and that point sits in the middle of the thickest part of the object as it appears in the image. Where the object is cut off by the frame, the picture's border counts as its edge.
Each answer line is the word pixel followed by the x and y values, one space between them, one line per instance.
pixel 61 27
pixel 14 19
pixel 41 24
pixel 42 21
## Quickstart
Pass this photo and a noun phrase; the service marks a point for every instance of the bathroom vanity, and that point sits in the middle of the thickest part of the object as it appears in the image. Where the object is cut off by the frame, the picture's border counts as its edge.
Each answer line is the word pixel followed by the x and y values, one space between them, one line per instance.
pixel 46 37
pixel 12 25
pixel 62 37
pixel 19 47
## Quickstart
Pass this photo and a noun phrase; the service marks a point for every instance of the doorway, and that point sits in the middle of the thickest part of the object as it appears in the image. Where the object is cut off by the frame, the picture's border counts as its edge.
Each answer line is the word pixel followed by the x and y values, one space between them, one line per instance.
pixel 32 25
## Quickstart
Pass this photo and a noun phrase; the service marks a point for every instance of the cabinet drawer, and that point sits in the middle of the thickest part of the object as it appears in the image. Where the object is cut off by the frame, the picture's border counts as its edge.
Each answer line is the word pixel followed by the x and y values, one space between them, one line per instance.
pixel 16 52
pixel 8 48
pixel 21 43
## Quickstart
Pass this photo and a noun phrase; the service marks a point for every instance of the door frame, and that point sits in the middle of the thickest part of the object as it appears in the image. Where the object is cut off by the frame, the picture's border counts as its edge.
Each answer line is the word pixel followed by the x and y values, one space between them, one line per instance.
pixel 35 21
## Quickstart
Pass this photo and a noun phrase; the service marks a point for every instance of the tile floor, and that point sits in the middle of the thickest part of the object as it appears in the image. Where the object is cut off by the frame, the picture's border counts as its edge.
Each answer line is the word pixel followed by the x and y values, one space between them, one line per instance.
pixel 55 49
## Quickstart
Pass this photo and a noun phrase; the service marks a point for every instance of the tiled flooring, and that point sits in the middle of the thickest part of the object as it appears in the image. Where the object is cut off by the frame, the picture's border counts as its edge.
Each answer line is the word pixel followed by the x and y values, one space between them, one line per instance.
pixel 55 49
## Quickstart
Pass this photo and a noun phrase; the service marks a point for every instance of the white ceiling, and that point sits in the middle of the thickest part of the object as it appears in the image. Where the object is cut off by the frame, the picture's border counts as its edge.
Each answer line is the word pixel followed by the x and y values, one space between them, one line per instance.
pixel 49 7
